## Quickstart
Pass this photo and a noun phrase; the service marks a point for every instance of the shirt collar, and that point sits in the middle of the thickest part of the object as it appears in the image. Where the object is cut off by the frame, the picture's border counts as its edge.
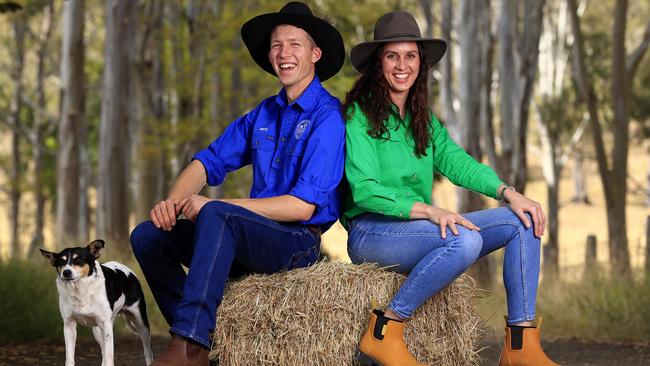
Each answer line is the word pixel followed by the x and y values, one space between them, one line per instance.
pixel 307 100
pixel 398 118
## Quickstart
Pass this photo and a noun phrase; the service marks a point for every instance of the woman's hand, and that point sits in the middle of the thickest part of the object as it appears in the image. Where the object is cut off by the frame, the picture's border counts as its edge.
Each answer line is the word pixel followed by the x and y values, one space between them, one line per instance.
pixel 446 218
pixel 191 206
pixel 520 204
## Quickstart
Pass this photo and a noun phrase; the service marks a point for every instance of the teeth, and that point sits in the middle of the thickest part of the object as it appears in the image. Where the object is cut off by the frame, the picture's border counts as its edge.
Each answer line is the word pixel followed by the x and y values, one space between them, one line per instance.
pixel 401 76
pixel 287 66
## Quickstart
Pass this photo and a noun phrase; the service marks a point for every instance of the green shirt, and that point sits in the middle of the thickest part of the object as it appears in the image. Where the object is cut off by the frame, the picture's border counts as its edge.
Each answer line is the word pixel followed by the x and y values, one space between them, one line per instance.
pixel 387 178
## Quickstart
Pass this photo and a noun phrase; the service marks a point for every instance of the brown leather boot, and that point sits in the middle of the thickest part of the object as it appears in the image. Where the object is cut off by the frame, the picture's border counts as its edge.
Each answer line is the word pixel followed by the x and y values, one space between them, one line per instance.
pixel 383 343
pixel 182 352
pixel 528 352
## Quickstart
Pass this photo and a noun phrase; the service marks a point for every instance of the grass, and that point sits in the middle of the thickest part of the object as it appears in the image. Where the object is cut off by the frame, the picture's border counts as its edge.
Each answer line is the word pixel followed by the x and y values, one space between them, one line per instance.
pixel 592 308
pixel 30 304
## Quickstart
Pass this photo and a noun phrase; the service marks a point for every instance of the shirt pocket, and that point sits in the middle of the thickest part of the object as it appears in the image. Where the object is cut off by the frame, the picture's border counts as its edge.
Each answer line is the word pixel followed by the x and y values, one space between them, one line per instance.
pixel 263 141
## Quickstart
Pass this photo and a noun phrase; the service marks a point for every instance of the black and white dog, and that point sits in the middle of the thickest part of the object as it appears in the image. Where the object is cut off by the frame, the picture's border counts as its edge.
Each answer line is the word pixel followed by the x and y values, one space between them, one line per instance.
pixel 93 294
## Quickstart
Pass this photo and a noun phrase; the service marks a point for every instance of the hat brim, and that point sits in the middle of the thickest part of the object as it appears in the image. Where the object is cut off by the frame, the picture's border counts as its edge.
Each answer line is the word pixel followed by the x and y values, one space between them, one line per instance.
pixel 256 34
pixel 434 50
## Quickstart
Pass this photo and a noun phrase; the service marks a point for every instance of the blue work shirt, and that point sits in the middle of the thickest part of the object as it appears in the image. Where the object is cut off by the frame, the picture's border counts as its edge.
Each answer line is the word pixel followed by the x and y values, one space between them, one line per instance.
pixel 296 149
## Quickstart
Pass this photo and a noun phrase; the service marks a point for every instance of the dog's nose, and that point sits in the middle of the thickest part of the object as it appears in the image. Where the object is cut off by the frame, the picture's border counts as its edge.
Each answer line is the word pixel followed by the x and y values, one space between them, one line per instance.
pixel 67 273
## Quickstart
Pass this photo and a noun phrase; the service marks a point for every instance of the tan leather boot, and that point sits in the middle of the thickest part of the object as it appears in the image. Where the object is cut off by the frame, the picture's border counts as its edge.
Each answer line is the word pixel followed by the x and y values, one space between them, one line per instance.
pixel 182 352
pixel 528 353
pixel 383 343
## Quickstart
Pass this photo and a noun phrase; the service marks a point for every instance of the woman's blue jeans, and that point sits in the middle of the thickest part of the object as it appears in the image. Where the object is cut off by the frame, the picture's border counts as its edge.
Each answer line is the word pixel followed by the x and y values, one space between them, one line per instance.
pixel 415 247
pixel 225 242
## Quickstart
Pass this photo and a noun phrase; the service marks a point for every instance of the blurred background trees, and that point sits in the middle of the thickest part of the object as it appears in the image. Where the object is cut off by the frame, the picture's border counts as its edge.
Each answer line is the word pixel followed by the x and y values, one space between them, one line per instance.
pixel 103 103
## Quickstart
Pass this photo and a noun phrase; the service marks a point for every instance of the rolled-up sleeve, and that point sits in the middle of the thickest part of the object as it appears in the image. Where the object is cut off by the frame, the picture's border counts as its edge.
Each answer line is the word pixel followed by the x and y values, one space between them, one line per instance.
pixel 323 160
pixel 230 151
pixel 362 170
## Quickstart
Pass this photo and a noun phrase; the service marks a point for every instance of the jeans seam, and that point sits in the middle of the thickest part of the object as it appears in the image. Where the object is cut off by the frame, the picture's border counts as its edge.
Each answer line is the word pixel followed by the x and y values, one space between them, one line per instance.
pixel 417 277
pixel 204 291
pixel 522 260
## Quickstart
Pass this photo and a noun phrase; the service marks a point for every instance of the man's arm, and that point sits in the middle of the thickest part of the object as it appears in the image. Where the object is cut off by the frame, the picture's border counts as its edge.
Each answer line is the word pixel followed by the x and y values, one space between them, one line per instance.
pixel 188 183
pixel 284 208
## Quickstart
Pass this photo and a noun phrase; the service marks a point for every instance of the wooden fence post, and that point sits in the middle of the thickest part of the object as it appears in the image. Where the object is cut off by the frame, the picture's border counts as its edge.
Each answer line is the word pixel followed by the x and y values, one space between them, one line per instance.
pixel 647 245
pixel 591 255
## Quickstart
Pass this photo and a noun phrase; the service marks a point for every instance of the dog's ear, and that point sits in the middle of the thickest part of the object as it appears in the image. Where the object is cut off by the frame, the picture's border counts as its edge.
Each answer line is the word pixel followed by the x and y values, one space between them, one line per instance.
pixel 49 256
pixel 95 248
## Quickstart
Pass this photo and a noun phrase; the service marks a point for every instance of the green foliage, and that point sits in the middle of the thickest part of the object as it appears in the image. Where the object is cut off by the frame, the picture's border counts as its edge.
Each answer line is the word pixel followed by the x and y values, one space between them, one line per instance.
pixel 597 308
pixel 29 302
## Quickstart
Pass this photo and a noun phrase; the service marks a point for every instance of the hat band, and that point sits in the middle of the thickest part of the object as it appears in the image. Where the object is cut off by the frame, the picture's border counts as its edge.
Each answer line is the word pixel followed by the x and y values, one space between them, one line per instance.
pixel 399 35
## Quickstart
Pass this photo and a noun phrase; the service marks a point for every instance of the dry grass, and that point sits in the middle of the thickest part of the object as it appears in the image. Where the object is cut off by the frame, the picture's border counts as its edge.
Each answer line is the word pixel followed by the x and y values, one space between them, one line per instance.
pixel 316 316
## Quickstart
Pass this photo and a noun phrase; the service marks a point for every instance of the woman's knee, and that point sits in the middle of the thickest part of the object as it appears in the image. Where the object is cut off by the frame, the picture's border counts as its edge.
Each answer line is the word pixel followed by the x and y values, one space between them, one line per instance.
pixel 470 243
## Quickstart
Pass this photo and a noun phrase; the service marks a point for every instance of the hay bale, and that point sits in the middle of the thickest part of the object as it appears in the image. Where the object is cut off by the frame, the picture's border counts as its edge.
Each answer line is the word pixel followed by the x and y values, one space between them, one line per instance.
pixel 316 316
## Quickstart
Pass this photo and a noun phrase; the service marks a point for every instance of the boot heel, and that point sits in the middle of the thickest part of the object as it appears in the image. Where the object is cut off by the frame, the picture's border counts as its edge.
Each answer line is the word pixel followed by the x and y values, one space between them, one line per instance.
pixel 365 360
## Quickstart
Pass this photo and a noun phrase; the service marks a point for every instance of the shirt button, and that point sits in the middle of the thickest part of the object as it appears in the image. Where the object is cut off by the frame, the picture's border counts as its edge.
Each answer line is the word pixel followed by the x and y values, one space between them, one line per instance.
pixel 415 176
pixel 277 160
pixel 257 143
pixel 282 139
pixel 408 194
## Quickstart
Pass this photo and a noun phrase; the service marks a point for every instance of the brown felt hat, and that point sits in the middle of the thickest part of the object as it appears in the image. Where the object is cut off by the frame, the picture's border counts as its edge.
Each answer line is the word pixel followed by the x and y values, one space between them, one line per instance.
pixel 397 26
pixel 257 31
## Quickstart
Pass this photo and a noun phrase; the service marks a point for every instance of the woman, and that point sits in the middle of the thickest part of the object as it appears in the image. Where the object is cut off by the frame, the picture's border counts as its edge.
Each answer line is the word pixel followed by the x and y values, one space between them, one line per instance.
pixel 394 145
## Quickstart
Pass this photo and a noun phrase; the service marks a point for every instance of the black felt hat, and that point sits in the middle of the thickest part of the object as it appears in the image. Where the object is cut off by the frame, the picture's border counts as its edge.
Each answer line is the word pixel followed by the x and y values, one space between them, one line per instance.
pixel 256 34
pixel 397 26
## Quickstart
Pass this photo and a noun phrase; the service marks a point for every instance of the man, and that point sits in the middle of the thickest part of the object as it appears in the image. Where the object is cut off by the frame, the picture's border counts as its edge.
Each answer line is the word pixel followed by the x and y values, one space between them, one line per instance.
pixel 295 142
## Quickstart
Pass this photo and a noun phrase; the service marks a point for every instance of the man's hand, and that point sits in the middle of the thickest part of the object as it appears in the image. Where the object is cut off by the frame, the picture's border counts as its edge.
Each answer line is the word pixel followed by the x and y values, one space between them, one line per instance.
pixel 520 204
pixel 164 214
pixel 446 218
pixel 190 206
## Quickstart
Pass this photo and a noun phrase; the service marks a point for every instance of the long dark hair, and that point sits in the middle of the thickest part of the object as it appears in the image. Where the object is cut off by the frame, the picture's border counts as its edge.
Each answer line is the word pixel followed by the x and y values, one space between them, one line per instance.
pixel 370 92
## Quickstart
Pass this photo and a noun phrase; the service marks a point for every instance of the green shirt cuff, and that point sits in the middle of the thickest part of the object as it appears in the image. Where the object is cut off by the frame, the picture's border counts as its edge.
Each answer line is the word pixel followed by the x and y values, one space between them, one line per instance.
pixel 403 209
pixel 493 186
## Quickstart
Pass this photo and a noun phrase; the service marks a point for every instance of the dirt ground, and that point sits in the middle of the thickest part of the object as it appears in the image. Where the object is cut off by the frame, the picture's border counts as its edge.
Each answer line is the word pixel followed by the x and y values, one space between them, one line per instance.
pixel 128 352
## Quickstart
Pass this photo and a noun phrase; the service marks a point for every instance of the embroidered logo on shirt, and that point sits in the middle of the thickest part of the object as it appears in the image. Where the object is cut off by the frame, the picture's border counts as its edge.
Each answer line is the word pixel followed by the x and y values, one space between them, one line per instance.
pixel 263 129
pixel 300 128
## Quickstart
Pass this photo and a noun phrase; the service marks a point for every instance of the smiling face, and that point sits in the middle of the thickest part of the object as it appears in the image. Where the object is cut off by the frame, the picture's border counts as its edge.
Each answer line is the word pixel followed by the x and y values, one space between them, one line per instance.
pixel 293 55
pixel 400 64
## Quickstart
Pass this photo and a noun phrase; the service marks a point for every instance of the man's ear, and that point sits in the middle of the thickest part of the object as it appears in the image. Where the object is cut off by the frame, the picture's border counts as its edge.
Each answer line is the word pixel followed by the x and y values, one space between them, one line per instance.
pixel 95 248
pixel 316 54
pixel 49 256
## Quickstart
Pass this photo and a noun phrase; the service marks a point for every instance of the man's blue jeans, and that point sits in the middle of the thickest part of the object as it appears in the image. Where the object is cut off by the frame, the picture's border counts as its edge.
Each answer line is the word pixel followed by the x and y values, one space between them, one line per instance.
pixel 415 247
pixel 226 241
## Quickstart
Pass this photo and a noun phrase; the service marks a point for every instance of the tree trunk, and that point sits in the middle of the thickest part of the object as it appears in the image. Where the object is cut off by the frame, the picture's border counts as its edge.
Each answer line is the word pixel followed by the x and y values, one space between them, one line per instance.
pixel 518 59
pixel 114 148
pixel 613 179
pixel 446 85
pixel 40 121
pixel 15 176
pixel 472 43
pixel 69 190
pixel 149 161
pixel 470 83
pixel 527 65
pixel 579 182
